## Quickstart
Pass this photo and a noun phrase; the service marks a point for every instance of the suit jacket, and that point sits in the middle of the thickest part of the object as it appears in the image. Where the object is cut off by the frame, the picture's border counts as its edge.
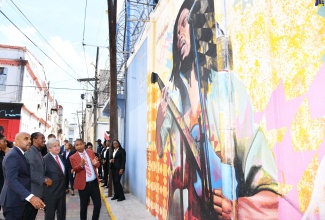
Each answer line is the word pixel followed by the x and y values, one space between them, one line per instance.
pixel 80 179
pixel 62 149
pixel 37 171
pixel 99 149
pixel 66 160
pixel 103 154
pixel 17 183
pixel 53 171
pixel 119 159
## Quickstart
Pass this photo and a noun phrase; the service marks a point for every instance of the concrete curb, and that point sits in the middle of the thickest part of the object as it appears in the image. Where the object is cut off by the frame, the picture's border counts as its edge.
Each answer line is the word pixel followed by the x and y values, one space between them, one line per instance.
pixel 109 210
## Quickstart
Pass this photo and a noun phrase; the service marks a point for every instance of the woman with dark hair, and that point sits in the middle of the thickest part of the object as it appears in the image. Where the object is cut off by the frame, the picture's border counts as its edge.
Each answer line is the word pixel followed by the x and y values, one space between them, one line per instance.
pixel 217 118
pixel 117 161
pixel 3 150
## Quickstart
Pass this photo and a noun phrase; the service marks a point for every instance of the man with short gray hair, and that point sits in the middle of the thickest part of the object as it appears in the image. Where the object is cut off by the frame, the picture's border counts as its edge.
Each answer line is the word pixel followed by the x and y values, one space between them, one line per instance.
pixel 55 196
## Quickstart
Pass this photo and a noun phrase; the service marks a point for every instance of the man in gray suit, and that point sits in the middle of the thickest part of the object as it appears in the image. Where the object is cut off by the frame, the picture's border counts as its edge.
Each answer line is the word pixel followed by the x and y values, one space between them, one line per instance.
pixel 37 172
pixel 54 196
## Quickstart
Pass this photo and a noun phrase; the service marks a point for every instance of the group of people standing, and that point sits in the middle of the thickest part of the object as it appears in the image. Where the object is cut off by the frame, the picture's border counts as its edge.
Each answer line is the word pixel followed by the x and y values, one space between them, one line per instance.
pixel 114 161
pixel 36 176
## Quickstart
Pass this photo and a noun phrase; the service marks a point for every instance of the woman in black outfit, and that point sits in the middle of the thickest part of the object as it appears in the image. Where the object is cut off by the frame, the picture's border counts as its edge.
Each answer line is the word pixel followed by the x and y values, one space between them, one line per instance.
pixel 117 160
pixel 3 150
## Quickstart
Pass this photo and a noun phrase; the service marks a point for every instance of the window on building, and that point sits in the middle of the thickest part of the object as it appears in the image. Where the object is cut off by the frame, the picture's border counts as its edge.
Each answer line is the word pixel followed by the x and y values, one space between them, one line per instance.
pixel 3 78
pixel 70 131
pixel 70 140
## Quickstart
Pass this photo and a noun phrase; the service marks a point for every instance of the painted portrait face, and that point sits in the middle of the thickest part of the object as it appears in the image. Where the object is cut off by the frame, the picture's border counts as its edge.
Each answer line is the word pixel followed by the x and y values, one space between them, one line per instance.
pixel 183 35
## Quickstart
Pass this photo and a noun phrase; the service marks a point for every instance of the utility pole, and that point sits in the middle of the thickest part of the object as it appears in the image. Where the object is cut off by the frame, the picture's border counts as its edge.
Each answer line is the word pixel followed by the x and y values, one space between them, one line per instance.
pixel 96 98
pixel 82 117
pixel 78 124
pixel 113 126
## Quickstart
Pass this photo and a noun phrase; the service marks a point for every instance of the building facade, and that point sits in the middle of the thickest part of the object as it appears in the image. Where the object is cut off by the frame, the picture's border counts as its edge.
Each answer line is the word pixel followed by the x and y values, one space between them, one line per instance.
pixel 26 104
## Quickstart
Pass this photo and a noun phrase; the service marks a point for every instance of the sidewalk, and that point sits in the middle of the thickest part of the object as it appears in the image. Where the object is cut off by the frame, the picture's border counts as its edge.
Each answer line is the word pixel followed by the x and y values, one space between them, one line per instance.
pixel 73 207
pixel 129 209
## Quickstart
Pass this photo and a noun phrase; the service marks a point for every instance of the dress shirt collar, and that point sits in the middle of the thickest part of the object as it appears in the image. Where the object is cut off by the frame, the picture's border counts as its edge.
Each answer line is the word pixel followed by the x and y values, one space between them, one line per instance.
pixel 21 150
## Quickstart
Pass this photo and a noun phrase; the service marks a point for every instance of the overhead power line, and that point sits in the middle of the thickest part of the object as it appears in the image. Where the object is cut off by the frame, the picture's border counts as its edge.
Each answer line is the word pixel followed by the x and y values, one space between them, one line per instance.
pixel 83 34
pixel 44 38
pixel 88 90
pixel 36 45
pixel 83 38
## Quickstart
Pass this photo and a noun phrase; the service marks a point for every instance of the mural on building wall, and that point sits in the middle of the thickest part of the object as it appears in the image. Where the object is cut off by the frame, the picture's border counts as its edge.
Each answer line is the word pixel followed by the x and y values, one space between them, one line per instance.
pixel 229 117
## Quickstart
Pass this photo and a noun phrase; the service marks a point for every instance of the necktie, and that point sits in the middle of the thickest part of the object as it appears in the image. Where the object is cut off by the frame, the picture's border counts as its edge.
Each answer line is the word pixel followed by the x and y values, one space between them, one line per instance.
pixel 58 162
pixel 87 168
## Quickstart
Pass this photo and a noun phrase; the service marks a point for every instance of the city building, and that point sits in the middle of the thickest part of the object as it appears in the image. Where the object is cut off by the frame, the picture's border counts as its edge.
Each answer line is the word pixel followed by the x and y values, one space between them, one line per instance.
pixel 26 104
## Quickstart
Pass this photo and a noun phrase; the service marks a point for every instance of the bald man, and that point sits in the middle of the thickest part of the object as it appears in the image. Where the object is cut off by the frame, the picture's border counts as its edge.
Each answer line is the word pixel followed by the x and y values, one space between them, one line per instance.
pixel 15 193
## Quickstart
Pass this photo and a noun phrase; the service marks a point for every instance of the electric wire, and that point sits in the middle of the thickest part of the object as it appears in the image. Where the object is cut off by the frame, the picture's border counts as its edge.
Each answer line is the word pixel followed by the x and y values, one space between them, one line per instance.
pixel 83 38
pixel 44 38
pixel 35 44
pixel 59 88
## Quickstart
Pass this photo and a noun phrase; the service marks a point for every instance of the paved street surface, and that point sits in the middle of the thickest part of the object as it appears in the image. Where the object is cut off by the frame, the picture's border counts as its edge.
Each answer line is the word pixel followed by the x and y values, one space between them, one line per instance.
pixel 129 209
pixel 73 205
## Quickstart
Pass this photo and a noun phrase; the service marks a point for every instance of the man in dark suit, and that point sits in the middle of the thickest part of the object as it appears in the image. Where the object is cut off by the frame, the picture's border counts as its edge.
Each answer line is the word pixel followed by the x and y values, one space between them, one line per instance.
pixel 54 196
pixel 84 163
pixel 16 193
pixel 62 148
pixel 67 153
pixel 37 171
pixel 117 161
pixel 104 161
pixel 99 152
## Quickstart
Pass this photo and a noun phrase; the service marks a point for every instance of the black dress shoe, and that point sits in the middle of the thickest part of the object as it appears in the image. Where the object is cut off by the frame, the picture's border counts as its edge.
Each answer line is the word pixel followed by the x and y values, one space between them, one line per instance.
pixel 113 198
pixel 119 200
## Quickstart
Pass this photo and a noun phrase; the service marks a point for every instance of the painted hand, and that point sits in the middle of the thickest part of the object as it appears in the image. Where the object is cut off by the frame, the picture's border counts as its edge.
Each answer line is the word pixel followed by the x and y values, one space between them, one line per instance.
pixel 222 205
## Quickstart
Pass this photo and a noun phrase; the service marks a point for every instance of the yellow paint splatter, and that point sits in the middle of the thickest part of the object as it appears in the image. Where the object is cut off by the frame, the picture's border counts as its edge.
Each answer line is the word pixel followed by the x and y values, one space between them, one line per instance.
pixel 306 133
pixel 284 189
pixel 305 185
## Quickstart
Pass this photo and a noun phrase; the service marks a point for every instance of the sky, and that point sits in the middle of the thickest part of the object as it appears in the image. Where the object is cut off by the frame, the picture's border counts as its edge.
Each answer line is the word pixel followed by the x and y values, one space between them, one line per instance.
pixel 62 24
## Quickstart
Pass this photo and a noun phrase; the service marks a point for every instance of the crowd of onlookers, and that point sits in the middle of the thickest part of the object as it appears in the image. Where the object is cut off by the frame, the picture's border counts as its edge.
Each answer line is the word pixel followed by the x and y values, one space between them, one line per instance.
pixel 37 174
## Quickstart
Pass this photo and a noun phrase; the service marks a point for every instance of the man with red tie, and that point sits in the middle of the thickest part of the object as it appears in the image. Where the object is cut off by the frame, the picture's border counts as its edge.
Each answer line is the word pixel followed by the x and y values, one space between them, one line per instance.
pixel 84 163
pixel 54 195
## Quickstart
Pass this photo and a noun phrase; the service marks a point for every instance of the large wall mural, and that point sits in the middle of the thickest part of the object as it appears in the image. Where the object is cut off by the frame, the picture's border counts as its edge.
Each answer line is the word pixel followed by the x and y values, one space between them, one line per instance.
pixel 236 114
